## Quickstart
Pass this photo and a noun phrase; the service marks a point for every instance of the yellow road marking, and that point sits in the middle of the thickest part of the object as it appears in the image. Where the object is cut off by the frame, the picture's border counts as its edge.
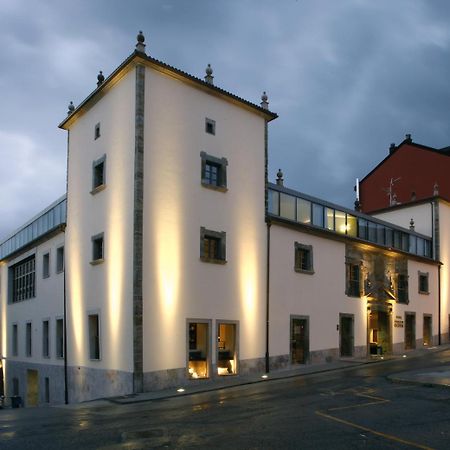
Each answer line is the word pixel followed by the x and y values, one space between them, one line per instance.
pixel 377 433
pixel 378 401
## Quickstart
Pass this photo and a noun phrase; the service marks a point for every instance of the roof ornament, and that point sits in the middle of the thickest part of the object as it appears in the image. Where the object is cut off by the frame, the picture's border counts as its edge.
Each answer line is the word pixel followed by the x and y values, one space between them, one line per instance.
pixel 408 138
pixel 280 180
pixel 209 76
pixel 100 78
pixel 140 46
pixel 71 108
pixel 264 102
pixel 411 224
pixel 435 189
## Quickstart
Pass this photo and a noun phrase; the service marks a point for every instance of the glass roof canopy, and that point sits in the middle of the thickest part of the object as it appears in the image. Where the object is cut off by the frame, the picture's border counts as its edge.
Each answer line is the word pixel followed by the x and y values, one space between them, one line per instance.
pixel 46 221
pixel 306 210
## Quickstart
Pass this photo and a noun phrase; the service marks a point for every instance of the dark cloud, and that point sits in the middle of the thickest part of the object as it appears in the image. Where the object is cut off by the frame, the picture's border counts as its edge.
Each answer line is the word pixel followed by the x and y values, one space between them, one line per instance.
pixel 347 78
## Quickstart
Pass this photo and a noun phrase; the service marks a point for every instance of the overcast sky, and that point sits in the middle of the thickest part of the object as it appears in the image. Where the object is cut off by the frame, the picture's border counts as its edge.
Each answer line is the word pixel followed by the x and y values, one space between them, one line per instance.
pixel 347 78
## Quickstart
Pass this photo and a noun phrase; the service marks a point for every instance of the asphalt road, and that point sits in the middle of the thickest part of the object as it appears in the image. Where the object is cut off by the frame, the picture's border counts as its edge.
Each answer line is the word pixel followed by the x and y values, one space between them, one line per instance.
pixel 344 409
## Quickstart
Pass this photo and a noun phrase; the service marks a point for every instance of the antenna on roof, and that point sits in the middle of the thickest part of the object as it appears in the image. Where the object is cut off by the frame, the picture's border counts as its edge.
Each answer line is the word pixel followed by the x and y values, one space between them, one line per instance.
pixel 390 192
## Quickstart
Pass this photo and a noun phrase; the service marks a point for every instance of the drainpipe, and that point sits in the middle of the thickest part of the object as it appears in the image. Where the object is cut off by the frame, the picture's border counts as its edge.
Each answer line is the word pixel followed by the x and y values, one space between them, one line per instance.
pixel 66 393
pixel 439 304
pixel 267 296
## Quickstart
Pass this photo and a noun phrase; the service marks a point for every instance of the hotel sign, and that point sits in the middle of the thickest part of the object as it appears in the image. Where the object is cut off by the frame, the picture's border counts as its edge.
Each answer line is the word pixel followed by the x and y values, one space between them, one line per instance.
pixel 398 322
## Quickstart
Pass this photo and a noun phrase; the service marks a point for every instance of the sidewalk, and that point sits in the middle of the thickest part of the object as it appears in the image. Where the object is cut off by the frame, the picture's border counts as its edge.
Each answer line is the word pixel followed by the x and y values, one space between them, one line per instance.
pixel 423 376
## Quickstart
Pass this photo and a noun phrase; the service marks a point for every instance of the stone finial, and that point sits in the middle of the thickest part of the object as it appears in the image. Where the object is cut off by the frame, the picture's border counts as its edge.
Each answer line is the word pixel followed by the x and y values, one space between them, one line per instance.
pixel 264 100
pixel 140 46
pixel 209 76
pixel 71 108
pixel 435 189
pixel 412 225
pixel 408 137
pixel 280 180
pixel 100 78
pixel 357 205
pixel 392 148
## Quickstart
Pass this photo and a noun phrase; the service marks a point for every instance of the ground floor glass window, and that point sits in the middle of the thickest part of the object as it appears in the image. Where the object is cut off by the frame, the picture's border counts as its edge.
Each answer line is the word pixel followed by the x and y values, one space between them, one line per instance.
pixel 226 349
pixel 198 336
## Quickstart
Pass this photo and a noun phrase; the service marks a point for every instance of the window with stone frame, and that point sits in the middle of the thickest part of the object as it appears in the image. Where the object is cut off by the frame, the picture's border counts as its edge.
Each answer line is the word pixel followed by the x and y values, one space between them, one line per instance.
pixel 402 288
pixel 212 246
pixel 423 283
pixel 353 279
pixel 23 280
pixel 213 172
pixel 98 174
pixel 210 126
pixel 303 258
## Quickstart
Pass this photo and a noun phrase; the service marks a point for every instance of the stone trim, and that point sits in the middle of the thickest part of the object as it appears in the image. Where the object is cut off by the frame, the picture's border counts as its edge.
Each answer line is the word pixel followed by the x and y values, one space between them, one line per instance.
pixel 138 209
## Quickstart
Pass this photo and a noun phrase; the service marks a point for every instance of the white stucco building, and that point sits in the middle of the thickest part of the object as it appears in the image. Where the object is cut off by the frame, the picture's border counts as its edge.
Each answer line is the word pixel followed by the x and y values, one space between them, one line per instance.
pixel 172 259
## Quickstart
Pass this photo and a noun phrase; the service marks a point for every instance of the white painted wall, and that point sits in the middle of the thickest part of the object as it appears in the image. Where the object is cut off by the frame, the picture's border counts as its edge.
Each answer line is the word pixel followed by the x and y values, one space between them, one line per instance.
pixel 105 288
pixel 177 285
pixel 47 305
pixel 321 296
pixel 421 214
pixel 444 220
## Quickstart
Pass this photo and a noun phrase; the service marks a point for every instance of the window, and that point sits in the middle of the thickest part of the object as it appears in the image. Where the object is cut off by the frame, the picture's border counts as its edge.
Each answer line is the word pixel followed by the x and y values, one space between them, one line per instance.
pixel 214 172
pixel 59 338
pixel 98 174
pixel 47 390
pixel 46 265
pixel 45 339
pixel 15 339
pixel 226 348
pixel 210 126
pixel 97 249
pixel 97 131
pixel 317 215
pixel 303 258
pixel 94 336
pixel 423 283
pixel 15 386
pixel 212 246
pixel 402 288
pixel 59 259
pixel 23 280
pixel 28 342
pixel 353 280
pixel 198 349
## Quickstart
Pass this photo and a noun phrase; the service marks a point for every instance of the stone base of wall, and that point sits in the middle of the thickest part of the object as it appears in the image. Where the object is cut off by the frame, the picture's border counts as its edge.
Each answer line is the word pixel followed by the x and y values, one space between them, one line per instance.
pixel 88 384
pixel 54 373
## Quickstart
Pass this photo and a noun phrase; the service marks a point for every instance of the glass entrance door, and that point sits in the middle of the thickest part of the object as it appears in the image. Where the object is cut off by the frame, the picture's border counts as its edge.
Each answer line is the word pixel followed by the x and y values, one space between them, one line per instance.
pixel 299 340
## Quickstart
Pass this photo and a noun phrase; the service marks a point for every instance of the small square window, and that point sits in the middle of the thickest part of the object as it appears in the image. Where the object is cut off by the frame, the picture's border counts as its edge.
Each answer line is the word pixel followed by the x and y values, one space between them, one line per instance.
pixel 214 172
pixel 94 336
pixel 423 283
pixel 97 249
pixel 97 131
pixel 303 258
pixel 210 126
pixel 46 265
pixel 59 259
pixel 98 174
pixel 212 246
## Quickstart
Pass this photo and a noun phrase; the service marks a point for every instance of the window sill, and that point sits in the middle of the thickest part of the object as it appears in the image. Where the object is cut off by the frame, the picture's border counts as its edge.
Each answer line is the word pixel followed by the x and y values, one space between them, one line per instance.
pixel 213 261
pixel 59 271
pixel 45 277
pixel 96 262
pixel 98 189
pixel 424 293
pixel 306 272
pixel 348 294
pixel 214 187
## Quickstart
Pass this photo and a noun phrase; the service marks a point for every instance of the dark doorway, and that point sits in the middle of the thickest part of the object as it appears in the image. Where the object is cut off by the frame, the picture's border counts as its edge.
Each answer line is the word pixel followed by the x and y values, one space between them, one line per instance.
pixel 346 334
pixel 410 331
pixel 299 340
pixel 427 330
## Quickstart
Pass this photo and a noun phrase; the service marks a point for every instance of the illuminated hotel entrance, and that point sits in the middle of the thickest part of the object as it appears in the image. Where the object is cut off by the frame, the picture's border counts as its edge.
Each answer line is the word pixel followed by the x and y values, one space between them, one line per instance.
pixel 379 328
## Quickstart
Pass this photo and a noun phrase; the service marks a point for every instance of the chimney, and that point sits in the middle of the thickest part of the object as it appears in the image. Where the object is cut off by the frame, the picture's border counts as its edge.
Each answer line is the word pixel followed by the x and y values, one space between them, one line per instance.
pixel 392 148
pixel 408 138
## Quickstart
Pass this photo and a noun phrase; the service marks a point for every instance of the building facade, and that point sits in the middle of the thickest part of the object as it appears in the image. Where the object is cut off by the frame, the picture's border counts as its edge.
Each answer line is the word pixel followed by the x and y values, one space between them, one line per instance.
pixel 172 260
